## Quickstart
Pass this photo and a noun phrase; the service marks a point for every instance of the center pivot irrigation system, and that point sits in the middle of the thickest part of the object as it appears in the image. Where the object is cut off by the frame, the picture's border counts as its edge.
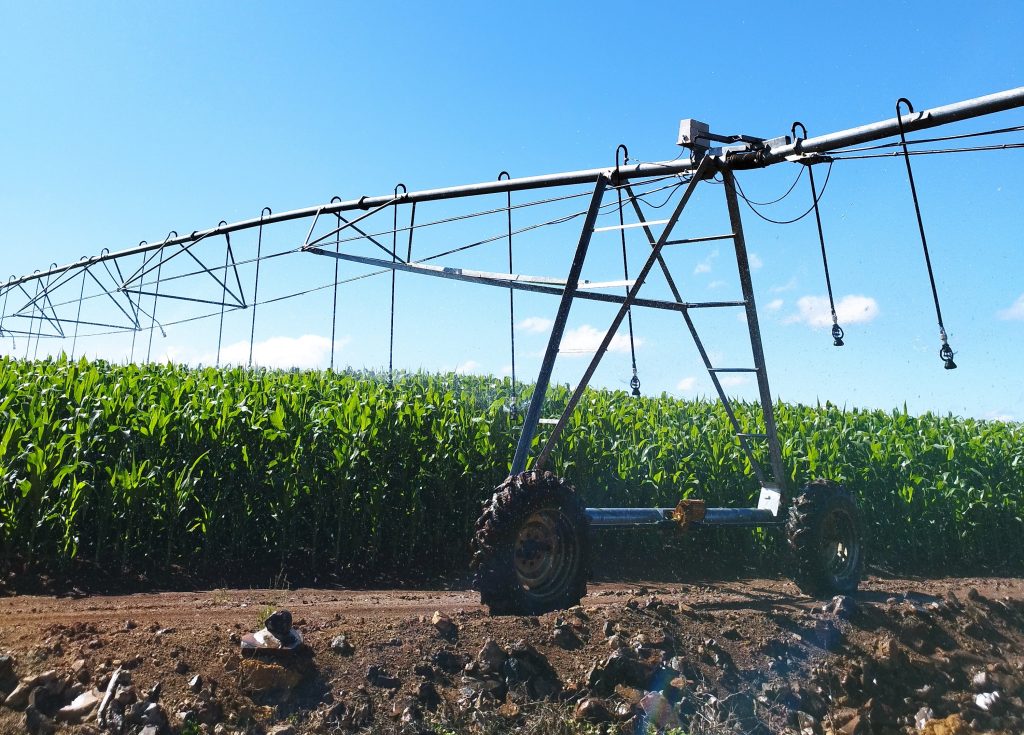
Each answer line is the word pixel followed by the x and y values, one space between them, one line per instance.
pixel 532 539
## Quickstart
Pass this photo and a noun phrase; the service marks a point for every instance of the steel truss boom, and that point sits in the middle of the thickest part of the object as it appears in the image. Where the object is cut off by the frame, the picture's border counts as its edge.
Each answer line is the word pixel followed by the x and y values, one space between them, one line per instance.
pixel 976 107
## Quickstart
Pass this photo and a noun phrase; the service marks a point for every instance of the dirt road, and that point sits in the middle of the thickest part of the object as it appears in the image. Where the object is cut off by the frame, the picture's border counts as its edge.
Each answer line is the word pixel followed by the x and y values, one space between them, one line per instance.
pixel 748 655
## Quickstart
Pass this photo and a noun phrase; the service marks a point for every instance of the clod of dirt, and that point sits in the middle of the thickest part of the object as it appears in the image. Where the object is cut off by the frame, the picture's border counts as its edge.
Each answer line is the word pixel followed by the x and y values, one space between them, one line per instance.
pixel 952 725
pixel 18 698
pixel 659 712
pixel 592 710
pixel 448 661
pixel 342 646
pixel 527 666
pixel 491 658
pixel 37 723
pixel 622 667
pixel 841 606
pixel 381 678
pixel 564 636
pixel 259 676
pixel 444 625
pixel 427 695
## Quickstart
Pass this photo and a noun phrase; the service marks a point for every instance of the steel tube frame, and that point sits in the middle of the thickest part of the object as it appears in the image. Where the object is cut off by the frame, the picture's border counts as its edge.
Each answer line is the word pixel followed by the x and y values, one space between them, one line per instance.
pixel 747 288
pixel 976 107
pixel 555 339
pixel 654 257
pixel 632 517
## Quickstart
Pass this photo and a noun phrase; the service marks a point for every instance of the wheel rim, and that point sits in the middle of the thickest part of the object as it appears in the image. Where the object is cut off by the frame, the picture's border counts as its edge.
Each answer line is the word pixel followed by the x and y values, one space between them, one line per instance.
pixel 546 554
pixel 840 544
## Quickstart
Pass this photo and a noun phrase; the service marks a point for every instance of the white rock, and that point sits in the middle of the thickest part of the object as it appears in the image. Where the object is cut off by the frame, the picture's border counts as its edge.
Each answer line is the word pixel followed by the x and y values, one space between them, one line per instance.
pixel 80 707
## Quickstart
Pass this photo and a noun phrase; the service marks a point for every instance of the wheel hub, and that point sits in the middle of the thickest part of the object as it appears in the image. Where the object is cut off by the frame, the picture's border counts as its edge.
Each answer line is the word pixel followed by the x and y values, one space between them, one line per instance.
pixel 544 556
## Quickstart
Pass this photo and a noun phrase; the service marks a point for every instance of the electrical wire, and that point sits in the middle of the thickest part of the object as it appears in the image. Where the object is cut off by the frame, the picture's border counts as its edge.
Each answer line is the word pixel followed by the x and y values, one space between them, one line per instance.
pixel 932 152
pixel 824 186
pixel 960 136
pixel 788 191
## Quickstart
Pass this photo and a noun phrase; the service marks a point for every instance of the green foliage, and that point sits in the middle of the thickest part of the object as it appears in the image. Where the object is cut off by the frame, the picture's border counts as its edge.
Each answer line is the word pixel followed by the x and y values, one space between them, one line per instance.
pixel 144 467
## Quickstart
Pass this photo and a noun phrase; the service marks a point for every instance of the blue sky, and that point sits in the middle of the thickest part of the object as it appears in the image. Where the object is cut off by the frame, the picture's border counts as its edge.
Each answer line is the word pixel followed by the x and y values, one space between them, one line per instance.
pixel 123 121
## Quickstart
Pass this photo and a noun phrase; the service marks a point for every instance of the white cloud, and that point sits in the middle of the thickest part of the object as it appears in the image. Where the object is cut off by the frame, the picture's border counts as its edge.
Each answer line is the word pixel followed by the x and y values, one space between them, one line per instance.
pixel 787 286
pixel 775 304
pixel 705 265
pixel 505 370
pixel 467 367
pixel 734 381
pixel 999 416
pixel 715 284
pixel 305 352
pixel 535 324
pixel 686 385
pixel 754 260
pixel 1016 310
pixel 585 339
pixel 814 310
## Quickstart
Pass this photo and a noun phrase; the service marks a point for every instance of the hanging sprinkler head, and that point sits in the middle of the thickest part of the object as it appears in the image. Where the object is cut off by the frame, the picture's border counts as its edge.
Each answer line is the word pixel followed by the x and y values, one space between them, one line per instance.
pixel 946 353
pixel 634 383
pixel 837 335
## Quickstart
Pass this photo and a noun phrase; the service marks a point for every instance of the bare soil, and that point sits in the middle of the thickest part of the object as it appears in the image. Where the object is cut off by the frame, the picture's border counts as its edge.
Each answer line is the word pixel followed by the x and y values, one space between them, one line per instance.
pixel 741 655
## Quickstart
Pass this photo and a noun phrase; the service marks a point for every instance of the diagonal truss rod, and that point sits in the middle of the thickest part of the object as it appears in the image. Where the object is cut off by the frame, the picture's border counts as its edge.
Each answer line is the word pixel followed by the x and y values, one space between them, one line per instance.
pixel 551 286
pixel 629 300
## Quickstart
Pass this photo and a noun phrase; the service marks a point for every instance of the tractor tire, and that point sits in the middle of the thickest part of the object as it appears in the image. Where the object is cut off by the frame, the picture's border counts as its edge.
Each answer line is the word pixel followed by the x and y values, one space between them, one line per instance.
pixel 531 546
pixel 825 538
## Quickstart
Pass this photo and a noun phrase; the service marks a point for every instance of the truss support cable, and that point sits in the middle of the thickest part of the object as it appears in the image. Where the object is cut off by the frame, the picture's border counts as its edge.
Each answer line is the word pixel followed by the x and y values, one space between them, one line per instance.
pixel 135 331
pixel 837 331
pixel 156 293
pixel 334 299
pixel 945 352
pixel 78 316
pixel 266 211
pixel 3 312
pixel 394 273
pixel 513 404
pixel 224 295
pixel 634 382
pixel 31 322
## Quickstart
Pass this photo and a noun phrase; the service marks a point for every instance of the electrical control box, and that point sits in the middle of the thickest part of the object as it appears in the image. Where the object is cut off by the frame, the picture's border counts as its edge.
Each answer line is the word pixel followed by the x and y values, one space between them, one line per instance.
pixel 693 134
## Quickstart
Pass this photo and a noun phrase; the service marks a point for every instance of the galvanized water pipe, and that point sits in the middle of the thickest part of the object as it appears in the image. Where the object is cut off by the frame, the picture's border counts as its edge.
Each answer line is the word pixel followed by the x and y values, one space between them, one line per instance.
pixel 988 104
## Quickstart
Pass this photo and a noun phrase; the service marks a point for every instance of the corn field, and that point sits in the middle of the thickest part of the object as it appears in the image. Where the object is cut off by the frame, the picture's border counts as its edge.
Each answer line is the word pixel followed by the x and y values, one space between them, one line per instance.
pixel 143 469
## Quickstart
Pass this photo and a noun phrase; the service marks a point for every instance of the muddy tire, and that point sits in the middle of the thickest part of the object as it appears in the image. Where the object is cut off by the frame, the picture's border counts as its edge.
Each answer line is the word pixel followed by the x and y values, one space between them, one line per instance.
pixel 825 536
pixel 531 546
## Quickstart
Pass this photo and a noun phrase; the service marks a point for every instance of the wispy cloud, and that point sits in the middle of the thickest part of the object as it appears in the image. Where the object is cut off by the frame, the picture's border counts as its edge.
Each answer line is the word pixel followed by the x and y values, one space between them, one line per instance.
pixel 1016 310
pixel 999 415
pixel 687 385
pixel 787 286
pixel 852 309
pixel 468 367
pixel 754 260
pixel 535 324
pixel 706 265
pixel 775 304
pixel 715 284
pixel 585 339
pixel 305 352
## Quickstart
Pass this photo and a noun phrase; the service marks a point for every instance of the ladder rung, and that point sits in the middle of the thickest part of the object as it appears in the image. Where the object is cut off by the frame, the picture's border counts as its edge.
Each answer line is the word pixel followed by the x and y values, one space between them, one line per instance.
pixel 609 228
pixel 752 436
pixel 708 238
pixel 714 304
pixel 587 285
pixel 732 370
